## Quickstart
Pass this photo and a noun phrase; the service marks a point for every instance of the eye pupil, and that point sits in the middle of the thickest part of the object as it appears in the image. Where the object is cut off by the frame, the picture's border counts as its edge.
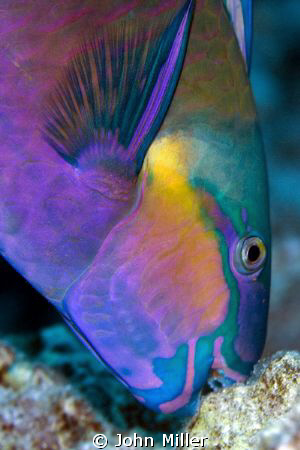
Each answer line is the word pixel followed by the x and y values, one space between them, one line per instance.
pixel 253 253
pixel 250 254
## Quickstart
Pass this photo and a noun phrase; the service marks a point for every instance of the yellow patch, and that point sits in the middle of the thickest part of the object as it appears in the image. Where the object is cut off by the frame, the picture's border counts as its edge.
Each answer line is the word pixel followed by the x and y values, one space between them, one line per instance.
pixel 183 267
pixel 167 161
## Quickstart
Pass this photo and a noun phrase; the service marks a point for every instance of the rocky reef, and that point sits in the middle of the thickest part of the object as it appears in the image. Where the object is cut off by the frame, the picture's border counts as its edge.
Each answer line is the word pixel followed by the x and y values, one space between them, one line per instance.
pixel 262 414
pixel 39 410
pixel 284 433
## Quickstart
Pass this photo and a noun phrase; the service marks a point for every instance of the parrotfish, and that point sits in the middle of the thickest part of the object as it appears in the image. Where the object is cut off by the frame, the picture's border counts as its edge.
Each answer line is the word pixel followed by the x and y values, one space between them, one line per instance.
pixel 133 185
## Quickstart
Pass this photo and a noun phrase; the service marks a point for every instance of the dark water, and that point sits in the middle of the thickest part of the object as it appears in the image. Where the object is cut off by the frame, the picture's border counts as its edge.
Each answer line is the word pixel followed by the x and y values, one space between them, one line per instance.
pixel 275 79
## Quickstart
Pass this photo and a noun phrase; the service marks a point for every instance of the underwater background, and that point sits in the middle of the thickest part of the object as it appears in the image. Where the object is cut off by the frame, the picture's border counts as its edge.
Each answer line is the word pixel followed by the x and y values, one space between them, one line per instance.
pixel 32 325
pixel 275 78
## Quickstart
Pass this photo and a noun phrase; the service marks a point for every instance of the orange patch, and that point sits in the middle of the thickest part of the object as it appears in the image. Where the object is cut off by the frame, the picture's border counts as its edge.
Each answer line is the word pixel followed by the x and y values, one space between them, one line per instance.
pixel 181 282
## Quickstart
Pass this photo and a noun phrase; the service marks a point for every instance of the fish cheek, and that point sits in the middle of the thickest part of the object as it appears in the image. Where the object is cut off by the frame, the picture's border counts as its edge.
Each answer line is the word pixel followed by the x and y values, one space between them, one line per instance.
pixel 252 321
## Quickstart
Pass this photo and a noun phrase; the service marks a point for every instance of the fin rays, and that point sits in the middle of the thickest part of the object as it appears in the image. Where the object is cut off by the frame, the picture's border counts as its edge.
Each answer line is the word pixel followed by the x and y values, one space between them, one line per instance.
pixel 115 92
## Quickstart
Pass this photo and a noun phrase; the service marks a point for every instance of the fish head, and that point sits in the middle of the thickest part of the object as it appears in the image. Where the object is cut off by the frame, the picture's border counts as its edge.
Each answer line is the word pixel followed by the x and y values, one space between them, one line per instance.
pixel 215 190
pixel 178 291
pixel 236 180
pixel 209 156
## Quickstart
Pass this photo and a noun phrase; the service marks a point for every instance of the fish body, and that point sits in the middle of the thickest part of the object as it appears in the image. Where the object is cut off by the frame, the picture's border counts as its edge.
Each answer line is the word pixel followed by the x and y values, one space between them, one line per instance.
pixel 134 189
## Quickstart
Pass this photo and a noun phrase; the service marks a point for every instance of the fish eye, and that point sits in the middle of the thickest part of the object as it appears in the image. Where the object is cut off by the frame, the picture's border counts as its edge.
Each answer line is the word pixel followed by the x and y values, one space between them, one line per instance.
pixel 250 254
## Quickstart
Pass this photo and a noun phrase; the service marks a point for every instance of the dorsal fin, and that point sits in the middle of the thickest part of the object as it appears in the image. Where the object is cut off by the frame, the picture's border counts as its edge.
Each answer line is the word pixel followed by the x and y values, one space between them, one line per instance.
pixel 240 12
pixel 115 92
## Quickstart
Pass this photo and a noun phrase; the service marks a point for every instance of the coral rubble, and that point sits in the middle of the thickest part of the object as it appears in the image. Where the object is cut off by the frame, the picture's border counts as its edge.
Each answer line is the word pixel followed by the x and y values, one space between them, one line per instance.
pixel 38 410
pixel 242 416
pixel 284 433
